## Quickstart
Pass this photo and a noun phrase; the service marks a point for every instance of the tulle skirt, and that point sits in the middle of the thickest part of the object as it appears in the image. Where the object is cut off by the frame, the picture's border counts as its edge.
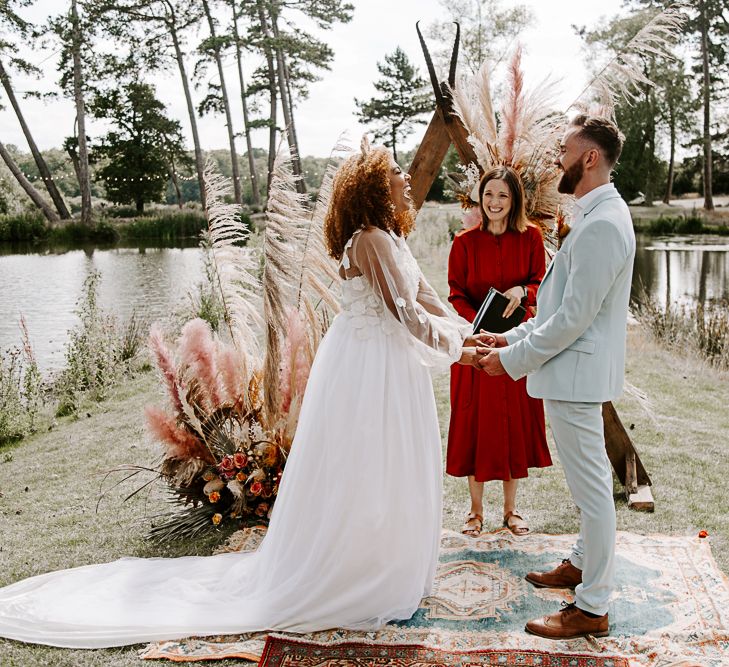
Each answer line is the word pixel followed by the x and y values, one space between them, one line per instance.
pixel 352 542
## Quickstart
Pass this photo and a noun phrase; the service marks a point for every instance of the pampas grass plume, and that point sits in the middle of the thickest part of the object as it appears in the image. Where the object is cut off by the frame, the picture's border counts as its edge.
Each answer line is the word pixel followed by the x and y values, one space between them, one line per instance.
pixel 231 366
pixel 295 366
pixel 178 442
pixel 197 350
pixel 166 364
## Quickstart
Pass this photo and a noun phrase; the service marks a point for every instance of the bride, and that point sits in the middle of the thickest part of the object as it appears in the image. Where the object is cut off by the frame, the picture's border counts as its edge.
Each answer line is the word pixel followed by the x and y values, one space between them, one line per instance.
pixel 353 538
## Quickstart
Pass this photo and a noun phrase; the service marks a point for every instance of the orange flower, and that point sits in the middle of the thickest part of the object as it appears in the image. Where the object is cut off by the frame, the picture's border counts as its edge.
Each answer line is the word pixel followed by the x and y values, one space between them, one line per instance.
pixel 240 459
pixel 214 497
pixel 562 230
pixel 703 533
pixel 241 476
pixel 217 518
pixel 256 488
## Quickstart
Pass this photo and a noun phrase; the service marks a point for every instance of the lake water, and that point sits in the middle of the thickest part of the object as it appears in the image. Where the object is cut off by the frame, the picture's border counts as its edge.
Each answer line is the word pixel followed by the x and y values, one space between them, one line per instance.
pixel 155 283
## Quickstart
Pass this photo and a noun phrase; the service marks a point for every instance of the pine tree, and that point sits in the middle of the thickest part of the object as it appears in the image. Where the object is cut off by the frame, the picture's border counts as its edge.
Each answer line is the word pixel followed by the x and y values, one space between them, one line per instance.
pixel 401 101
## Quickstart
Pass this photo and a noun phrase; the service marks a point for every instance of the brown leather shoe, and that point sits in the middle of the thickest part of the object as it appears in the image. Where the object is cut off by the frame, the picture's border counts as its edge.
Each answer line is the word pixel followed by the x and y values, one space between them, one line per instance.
pixel 569 622
pixel 565 575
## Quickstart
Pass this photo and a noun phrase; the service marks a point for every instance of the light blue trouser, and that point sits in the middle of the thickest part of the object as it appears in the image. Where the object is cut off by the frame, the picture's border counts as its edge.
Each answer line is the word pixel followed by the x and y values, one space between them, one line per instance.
pixel 578 434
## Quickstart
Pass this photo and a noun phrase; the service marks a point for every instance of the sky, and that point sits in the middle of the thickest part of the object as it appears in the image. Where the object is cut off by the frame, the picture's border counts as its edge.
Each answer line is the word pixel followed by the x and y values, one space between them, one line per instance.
pixel 551 47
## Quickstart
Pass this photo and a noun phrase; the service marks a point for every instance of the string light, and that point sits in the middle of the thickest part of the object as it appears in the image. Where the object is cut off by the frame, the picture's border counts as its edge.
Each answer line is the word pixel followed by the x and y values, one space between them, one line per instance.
pixel 58 177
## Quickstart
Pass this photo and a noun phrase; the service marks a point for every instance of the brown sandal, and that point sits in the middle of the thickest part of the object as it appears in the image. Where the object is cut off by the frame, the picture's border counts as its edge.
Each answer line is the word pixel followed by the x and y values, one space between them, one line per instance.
pixel 518 526
pixel 473 524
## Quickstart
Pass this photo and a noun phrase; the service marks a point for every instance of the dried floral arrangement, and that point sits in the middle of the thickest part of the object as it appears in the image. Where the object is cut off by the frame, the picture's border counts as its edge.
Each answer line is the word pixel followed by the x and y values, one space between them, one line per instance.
pixel 234 396
pixel 525 132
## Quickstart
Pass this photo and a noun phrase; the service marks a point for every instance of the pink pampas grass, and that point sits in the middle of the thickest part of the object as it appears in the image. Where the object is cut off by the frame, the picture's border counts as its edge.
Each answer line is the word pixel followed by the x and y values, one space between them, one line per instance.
pixel 178 442
pixel 296 366
pixel 231 367
pixel 166 364
pixel 514 108
pixel 197 350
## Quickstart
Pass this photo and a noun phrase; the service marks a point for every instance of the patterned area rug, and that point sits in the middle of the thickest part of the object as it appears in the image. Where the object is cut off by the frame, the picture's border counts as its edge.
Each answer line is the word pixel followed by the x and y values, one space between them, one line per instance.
pixel 671 606
pixel 282 651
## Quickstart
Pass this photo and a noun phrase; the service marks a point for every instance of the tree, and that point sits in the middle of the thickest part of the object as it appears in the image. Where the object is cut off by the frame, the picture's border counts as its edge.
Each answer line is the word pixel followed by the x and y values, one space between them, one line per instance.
pixel 487 30
pixel 212 47
pixel 142 146
pixel 403 99
pixel 162 24
pixel 11 21
pixel 665 106
pixel 77 43
pixel 707 31
pixel 291 54
pixel 34 195
pixel 238 44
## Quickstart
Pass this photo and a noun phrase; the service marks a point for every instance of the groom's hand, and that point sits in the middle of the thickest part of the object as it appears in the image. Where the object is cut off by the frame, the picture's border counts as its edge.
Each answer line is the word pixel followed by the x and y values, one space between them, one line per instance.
pixel 491 362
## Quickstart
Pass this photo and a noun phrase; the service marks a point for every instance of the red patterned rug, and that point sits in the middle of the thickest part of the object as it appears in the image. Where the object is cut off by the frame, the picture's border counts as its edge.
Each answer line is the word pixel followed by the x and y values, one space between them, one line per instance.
pixel 282 651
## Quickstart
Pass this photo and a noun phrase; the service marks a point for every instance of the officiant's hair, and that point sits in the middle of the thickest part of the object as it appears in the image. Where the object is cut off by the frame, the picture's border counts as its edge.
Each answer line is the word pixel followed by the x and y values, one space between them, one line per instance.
pixel 602 132
pixel 517 219
pixel 361 198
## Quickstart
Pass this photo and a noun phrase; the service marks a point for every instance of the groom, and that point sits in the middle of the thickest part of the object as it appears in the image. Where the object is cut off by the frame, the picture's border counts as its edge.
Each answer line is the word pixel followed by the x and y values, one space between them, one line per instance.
pixel 573 352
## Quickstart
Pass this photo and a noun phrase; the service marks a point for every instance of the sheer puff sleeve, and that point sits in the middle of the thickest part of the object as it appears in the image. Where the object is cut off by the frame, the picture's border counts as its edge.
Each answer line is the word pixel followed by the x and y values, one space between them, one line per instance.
pixel 389 268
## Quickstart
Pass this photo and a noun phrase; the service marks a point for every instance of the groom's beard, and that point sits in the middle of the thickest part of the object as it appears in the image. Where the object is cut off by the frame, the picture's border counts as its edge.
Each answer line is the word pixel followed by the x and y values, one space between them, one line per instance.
pixel 570 178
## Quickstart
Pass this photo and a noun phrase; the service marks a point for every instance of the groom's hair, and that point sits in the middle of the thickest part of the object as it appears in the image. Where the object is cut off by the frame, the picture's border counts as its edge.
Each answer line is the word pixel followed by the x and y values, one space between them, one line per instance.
pixel 603 133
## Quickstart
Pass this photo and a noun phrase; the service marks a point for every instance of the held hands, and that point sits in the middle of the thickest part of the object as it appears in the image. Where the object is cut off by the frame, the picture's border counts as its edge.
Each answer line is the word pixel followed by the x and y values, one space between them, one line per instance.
pixel 479 351
pixel 515 295
pixel 470 356
pixel 490 361
pixel 488 339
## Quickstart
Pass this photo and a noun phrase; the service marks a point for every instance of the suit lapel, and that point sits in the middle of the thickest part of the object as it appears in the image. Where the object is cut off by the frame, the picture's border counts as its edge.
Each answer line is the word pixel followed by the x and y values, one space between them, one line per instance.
pixel 609 194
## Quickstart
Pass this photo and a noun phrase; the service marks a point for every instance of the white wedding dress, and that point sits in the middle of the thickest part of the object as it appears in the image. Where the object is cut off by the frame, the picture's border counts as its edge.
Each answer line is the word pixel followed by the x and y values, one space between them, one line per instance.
pixel 353 539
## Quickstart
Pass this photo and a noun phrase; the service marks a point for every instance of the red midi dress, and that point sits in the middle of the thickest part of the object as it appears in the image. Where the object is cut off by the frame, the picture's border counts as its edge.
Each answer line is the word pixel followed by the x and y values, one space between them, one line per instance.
pixel 496 429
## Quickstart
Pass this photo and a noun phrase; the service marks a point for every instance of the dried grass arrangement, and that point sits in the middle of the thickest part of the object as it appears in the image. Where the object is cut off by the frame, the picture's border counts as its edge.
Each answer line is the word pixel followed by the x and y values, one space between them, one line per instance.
pixel 234 397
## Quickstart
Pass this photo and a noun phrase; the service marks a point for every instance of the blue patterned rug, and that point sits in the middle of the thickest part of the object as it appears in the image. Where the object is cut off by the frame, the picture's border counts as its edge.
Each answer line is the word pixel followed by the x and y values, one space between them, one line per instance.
pixel 671 605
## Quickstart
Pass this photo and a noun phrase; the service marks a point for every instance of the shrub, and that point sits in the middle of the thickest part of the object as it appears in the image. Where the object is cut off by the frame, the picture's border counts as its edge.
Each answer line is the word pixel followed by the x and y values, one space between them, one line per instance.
pixel 120 212
pixel 703 328
pixel 23 227
pixel 21 391
pixel 98 354
pixel 76 232
pixel 206 302
pixel 166 227
pixel 691 224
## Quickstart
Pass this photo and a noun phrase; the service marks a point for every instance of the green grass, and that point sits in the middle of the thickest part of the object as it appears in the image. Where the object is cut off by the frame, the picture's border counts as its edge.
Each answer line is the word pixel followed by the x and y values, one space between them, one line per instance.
pixel 681 440
pixel 164 225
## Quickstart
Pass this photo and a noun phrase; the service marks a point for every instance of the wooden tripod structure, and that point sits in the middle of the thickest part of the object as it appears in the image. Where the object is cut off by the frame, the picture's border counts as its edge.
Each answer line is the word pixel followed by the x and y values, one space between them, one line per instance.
pixel 444 129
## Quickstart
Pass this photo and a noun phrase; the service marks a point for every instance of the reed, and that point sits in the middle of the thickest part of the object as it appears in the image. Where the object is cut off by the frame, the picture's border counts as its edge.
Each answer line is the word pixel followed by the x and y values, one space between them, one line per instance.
pixel 697 327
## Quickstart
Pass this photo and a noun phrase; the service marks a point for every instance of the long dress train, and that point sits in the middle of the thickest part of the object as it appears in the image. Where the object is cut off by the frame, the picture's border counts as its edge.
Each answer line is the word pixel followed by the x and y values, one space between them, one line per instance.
pixel 353 538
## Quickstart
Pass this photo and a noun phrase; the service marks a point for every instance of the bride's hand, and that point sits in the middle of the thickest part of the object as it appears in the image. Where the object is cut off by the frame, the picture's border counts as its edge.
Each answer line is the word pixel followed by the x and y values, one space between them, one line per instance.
pixel 487 339
pixel 470 357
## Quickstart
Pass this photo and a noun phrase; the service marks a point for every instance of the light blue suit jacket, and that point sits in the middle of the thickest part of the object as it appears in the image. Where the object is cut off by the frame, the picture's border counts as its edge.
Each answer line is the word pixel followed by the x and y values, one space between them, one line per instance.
pixel 574 348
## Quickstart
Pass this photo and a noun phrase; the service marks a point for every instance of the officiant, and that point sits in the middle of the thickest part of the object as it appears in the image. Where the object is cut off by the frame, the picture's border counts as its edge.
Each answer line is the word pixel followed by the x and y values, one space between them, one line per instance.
pixel 497 431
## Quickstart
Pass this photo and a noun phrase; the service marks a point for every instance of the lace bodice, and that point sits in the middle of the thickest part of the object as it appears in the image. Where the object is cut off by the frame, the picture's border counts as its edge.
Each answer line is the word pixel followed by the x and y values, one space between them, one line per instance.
pixel 391 295
pixel 363 306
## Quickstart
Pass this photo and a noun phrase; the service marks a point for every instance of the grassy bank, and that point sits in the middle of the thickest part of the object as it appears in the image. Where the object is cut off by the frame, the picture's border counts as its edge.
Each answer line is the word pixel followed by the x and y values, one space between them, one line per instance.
pixel 162 225
pixel 51 482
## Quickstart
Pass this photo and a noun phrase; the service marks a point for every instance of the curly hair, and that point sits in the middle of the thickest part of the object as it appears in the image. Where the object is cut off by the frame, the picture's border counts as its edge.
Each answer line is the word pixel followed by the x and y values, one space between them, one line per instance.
pixel 361 198
pixel 517 218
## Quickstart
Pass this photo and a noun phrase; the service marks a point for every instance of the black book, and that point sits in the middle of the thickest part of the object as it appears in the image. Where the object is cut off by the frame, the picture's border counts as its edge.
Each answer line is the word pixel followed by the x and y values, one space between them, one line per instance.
pixel 490 316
